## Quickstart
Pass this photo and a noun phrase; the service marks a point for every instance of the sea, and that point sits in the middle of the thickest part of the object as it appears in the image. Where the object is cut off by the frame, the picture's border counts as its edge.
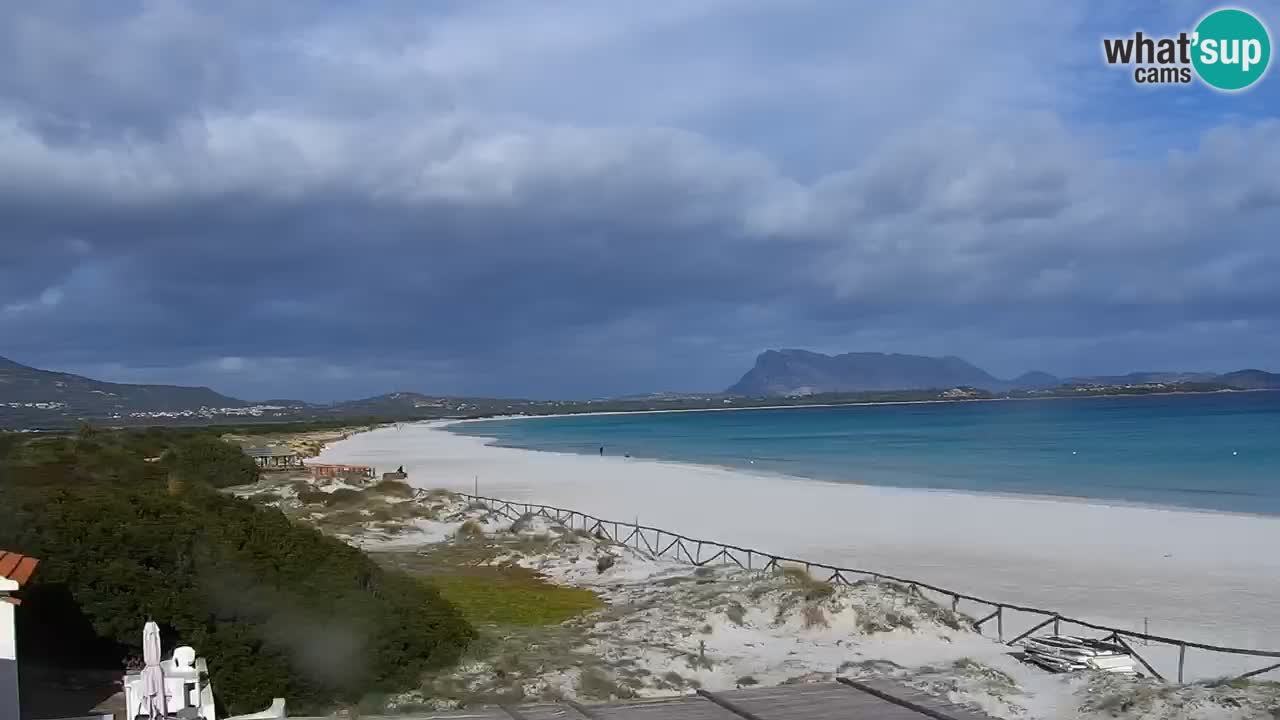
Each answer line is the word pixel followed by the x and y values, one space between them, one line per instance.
pixel 1213 452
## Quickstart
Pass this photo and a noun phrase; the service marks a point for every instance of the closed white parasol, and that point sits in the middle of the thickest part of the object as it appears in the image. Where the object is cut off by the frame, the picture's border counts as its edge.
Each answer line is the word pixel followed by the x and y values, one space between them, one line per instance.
pixel 152 673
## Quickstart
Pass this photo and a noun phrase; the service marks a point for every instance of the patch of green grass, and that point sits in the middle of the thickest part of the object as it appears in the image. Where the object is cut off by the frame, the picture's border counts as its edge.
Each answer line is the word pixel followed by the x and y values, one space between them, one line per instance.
pixel 513 596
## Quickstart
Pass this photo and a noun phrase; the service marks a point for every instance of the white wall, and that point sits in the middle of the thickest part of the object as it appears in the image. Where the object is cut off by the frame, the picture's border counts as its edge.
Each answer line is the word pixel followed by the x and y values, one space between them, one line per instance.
pixel 8 662
pixel 8 642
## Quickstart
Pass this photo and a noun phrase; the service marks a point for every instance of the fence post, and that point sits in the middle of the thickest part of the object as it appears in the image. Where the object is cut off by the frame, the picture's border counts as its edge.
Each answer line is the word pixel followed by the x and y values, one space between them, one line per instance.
pixel 773 563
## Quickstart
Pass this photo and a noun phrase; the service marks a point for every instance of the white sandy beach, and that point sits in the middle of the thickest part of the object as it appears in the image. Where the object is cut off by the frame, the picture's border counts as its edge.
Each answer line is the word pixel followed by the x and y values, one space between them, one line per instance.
pixel 1206 577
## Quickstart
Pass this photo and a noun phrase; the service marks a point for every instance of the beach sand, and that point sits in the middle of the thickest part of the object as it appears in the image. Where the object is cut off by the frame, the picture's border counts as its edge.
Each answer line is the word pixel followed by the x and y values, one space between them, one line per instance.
pixel 1206 577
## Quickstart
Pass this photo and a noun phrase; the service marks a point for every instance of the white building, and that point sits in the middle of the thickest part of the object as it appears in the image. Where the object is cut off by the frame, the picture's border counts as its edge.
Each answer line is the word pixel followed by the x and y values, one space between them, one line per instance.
pixel 15 570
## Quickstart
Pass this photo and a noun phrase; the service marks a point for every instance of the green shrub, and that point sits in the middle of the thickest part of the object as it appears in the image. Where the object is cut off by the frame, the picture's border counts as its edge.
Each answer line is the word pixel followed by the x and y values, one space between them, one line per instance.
pixel 394 488
pixel 469 530
pixel 206 459
pixel 313 497
pixel 277 608
pixel 812 589
pixel 736 613
pixel 343 496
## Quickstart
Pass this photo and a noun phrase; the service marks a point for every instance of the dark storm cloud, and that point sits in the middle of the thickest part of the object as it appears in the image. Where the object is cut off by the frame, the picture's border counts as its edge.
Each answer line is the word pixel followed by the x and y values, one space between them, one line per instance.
pixel 358 201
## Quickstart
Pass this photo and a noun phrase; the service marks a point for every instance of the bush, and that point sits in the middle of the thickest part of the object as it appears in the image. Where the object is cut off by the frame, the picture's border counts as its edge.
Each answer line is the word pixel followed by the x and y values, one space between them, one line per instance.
pixel 343 496
pixel 313 497
pixel 394 488
pixel 244 586
pixel 812 589
pixel 469 530
pixel 736 613
pixel 206 459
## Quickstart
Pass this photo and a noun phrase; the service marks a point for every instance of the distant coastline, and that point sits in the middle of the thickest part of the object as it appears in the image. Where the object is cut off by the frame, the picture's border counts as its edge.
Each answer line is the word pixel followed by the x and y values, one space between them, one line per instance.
pixel 969 540
pixel 855 403
pixel 1129 451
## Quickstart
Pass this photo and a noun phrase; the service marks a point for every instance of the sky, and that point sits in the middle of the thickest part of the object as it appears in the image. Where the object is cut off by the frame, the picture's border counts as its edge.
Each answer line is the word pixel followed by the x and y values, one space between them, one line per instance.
pixel 564 199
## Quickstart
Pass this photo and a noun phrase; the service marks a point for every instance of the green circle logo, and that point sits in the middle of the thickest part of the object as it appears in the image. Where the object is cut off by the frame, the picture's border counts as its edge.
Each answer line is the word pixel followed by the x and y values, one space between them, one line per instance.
pixel 1232 49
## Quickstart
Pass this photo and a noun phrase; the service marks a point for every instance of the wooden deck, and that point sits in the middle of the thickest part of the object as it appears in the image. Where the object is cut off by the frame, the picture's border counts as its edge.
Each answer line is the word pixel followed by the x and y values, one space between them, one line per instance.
pixel 843 700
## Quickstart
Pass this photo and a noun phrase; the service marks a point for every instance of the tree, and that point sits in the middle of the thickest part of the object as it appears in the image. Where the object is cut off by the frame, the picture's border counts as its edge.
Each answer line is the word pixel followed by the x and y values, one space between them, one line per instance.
pixel 206 459
pixel 279 609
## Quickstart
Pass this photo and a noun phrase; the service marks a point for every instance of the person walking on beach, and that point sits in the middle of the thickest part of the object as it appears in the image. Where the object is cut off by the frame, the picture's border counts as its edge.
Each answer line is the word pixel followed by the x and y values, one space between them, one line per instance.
pixel 601 451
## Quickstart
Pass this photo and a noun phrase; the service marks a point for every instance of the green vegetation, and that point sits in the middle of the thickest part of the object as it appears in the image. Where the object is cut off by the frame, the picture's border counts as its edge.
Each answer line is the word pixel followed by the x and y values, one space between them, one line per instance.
pixel 489 592
pixel 394 488
pixel 203 458
pixel 129 527
pixel 811 588
pixel 594 683
pixel 512 595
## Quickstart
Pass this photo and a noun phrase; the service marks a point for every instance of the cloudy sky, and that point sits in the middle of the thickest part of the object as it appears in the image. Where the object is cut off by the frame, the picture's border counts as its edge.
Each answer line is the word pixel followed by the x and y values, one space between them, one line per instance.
pixel 554 198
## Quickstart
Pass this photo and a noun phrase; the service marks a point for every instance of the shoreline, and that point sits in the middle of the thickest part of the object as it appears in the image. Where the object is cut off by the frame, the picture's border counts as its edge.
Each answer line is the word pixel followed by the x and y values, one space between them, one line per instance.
pixel 1200 576
pixel 656 627
pixel 495 442
pixel 869 403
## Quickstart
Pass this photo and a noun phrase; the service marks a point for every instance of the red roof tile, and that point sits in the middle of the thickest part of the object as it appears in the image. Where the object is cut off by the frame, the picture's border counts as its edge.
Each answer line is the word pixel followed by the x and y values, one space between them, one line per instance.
pixel 16 567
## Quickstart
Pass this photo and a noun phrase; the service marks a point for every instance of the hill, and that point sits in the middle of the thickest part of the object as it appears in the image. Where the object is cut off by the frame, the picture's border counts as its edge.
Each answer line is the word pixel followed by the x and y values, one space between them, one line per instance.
pixel 1035 380
pixel 21 385
pixel 1144 377
pixel 1251 380
pixel 800 372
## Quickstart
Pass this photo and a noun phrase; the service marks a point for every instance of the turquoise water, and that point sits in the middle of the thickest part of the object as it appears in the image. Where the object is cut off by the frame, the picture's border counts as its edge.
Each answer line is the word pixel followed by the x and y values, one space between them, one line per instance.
pixel 1213 452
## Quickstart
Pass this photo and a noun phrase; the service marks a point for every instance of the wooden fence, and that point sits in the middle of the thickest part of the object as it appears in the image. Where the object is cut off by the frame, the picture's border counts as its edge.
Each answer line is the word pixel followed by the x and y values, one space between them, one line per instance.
pixel 666 544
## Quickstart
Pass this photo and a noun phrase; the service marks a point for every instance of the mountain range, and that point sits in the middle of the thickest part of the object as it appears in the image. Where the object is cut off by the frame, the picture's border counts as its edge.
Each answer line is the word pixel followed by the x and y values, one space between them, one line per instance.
pixel 23 385
pixel 35 398
pixel 801 372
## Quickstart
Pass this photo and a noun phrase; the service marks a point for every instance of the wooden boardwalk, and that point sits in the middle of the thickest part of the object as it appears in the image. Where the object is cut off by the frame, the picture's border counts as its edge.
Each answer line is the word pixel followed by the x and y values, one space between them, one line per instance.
pixel 842 700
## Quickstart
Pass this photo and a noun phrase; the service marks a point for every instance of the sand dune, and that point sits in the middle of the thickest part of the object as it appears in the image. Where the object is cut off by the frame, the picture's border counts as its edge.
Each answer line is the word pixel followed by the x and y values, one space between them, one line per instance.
pixel 1207 577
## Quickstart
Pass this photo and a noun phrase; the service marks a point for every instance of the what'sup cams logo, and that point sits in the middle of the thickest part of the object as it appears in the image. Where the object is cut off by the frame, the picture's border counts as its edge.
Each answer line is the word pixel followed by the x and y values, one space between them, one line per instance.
pixel 1229 50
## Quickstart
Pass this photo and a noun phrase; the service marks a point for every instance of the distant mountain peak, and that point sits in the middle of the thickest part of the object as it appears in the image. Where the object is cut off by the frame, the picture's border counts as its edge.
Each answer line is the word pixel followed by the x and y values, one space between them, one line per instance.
pixel 792 371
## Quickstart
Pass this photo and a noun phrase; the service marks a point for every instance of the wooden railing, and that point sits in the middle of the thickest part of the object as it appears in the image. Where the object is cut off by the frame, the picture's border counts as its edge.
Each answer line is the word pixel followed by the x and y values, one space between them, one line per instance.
pixel 666 544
